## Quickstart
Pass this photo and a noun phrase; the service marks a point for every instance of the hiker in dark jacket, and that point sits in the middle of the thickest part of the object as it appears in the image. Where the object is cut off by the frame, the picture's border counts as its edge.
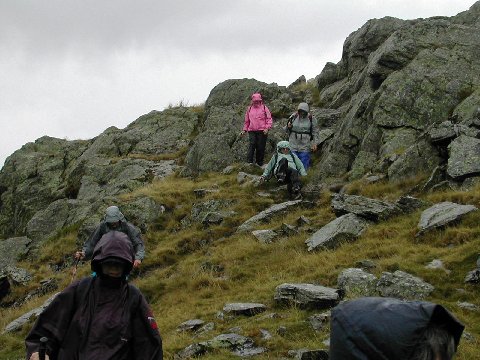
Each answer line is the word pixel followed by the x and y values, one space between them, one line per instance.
pixel 287 168
pixel 375 328
pixel 100 317
pixel 302 129
pixel 114 220
pixel 258 120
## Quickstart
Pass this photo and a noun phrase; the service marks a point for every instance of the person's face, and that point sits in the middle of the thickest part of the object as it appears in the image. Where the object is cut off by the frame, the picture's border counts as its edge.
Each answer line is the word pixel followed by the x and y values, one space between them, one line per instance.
pixel 302 113
pixel 112 269
pixel 114 225
pixel 285 150
pixel 256 102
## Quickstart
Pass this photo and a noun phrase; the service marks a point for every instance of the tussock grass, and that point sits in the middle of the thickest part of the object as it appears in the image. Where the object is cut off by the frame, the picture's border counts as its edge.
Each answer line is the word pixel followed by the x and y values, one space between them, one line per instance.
pixel 193 272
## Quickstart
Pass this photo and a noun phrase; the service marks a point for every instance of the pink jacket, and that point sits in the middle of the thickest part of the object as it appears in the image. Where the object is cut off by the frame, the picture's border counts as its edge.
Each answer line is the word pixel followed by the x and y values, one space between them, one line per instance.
pixel 257 118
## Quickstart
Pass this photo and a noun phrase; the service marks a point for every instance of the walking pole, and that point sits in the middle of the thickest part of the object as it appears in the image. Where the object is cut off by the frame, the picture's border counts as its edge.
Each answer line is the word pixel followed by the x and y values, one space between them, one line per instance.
pixel 43 348
pixel 74 270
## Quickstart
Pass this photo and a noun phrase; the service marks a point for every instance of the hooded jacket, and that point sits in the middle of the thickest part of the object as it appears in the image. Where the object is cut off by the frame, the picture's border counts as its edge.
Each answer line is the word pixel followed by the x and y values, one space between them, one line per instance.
pixel 257 116
pixel 299 134
pixel 375 328
pixel 293 161
pixel 113 214
pixel 95 320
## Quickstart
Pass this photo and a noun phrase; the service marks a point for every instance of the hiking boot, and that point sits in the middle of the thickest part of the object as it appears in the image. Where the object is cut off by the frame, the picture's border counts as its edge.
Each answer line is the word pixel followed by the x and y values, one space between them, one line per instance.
pixel 296 189
pixel 296 196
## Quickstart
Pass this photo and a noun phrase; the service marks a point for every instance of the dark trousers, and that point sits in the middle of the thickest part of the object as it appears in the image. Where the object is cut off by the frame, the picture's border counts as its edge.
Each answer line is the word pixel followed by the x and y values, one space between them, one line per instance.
pixel 257 141
pixel 290 176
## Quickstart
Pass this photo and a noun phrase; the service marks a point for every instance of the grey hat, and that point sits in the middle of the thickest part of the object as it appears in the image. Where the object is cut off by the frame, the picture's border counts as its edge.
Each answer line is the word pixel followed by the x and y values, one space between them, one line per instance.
pixel 113 214
pixel 303 106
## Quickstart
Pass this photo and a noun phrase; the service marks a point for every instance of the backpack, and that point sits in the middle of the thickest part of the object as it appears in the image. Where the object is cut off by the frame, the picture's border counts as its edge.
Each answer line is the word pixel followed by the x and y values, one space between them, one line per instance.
pixel 293 158
pixel 292 118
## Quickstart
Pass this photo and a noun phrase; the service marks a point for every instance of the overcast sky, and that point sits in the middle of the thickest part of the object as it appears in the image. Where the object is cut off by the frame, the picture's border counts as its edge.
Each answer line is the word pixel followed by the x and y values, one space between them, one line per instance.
pixel 70 68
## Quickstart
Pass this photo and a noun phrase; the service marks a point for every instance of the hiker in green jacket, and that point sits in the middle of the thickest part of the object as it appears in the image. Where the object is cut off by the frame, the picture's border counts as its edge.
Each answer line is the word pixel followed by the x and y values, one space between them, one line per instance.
pixel 287 168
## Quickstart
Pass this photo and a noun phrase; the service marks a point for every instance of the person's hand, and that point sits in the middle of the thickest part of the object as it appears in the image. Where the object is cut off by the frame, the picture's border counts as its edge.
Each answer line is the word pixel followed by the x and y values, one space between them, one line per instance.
pixel 314 147
pixel 136 263
pixel 265 131
pixel 36 356
pixel 242 132
pixel 79 255
pixel 262 179
pixel 289 124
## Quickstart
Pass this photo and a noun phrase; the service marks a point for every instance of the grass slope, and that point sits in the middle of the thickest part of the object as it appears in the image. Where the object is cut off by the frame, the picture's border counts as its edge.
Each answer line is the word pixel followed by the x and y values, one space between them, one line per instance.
pixel 191 273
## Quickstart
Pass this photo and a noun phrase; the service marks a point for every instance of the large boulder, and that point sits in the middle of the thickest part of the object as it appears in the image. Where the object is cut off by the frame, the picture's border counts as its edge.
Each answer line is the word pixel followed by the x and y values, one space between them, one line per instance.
pixel 442 214
pixel 402 285
pixel 267 214
pixel 115 162
pixel 393 89
pixel 225 110
pixel 370 209
pixel 346 228
pixel 12 249
pixel 307 296
pixel 464 159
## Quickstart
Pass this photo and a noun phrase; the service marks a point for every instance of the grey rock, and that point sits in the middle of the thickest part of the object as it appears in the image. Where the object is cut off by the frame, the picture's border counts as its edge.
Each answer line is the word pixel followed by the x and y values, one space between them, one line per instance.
pixel 464 159
pixel 303 220
pixel 418 158
pixel 437 176
pixel 247 309
pixel 212 218
pixel 319 321
pixel 267 214
pixel 436 264
pixel 402 285
pixel 370 209
pixel 230 169
pixel 200 193
pixel 265 236
pixel 366 264
pixel 264 194
pixel 265 334
pixel 409 204
pixel 346 228
pixel 142 211
pixel 190 325
pixel 306 296
pixel 201 212
pixel 12 249
pixel 470 183
pixel 443 132
pixel 19 322
pixel 191 351
pixel 473 277
pixel 442 214
pixel 248 179
pixel 355 282
pixel 205 328
pixel 468 306
pixel 17 275
pixel 287 229
pixel 306 354
pixel 282 330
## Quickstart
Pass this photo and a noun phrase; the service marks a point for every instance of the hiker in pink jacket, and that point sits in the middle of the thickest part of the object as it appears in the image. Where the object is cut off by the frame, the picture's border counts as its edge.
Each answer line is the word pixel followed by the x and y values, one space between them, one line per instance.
pixel 258 120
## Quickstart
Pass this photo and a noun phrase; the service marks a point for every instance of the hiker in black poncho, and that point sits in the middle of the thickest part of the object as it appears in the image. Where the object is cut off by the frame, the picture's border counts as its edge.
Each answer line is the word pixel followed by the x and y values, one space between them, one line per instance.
pixel 375 328
pixel 101 317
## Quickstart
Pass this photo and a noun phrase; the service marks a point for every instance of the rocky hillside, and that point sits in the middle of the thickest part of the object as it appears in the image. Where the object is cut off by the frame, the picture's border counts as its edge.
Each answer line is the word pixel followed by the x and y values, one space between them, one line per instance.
pixel 401 110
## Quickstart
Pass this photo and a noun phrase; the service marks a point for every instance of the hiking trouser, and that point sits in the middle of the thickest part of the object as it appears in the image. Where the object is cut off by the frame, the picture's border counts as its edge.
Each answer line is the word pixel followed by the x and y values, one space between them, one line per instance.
pixel 304 156
pixel 291 176
pixel 257 141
